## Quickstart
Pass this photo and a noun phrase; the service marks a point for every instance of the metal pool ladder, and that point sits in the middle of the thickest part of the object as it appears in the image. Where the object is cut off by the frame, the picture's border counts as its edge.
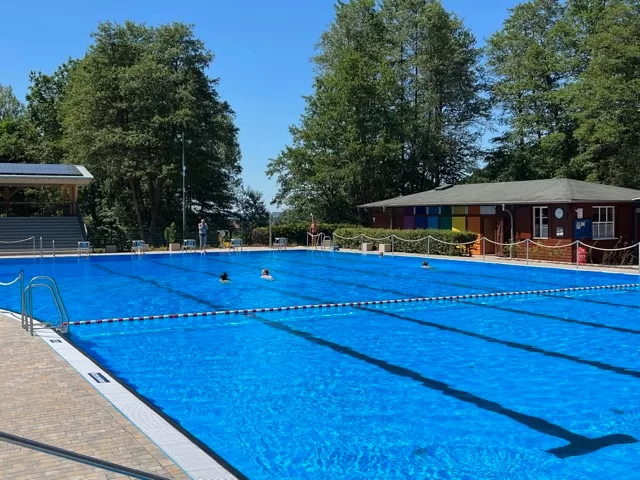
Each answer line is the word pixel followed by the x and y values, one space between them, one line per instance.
pixel 27 305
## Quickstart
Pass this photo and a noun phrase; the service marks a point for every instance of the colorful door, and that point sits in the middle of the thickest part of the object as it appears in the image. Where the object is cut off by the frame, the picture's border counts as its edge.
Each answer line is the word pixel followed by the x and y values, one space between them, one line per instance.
pixel 500 237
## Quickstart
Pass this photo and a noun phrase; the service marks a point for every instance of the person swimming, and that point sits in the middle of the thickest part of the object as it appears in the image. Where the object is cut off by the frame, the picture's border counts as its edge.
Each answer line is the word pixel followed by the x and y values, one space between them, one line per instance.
pixel 381 254
pixel 426 265
pixel 266 275
pixel 224 278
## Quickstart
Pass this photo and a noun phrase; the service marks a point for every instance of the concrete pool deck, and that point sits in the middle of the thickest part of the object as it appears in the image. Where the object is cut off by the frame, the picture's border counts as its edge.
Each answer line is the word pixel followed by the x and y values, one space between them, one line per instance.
pixel 43 398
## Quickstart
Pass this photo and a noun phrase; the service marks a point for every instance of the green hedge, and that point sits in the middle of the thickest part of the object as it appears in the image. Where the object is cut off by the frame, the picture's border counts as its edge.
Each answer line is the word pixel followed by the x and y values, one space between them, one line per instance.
pixel 435 248
pixel 296 233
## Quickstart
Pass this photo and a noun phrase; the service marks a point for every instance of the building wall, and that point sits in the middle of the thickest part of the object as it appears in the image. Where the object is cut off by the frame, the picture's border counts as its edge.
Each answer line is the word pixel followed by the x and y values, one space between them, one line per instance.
pixel 483 222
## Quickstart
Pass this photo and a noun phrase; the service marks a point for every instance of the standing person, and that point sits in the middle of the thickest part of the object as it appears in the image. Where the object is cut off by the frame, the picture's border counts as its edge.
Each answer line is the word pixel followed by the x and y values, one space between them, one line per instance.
pixel 313 229
pixel 203 230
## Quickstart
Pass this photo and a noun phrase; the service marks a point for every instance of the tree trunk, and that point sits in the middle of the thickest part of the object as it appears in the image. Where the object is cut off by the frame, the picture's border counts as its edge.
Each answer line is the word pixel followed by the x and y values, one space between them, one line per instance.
pixel 156 201
pixel 137 204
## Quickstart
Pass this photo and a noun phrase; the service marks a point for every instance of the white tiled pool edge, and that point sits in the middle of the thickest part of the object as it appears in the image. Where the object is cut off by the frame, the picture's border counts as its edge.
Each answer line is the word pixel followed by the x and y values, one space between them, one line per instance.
pixel 187 455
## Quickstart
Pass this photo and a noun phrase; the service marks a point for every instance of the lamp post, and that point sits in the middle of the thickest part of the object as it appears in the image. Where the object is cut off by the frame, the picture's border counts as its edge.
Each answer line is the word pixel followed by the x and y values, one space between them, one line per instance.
pixel 184 189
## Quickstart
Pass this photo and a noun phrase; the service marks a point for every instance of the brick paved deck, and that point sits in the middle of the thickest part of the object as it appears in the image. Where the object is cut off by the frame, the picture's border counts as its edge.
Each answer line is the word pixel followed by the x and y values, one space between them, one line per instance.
pixel 42 398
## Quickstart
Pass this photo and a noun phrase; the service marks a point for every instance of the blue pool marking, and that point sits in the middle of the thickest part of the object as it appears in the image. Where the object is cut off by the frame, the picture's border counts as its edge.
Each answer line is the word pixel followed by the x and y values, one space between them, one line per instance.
pixel 507 343
pixel 596 302
pixel 578 444
pixel 159 285
pixel 408 295
pixel 552 317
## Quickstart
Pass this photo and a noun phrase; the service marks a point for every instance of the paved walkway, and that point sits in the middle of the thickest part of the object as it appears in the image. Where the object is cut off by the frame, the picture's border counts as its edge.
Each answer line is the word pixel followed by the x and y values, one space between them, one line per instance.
pixel 44 399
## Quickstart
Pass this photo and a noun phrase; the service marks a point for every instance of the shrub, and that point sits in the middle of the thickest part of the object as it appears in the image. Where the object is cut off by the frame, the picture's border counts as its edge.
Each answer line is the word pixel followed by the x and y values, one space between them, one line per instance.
pixel 296 233
pixel 170 233
pixel 434 247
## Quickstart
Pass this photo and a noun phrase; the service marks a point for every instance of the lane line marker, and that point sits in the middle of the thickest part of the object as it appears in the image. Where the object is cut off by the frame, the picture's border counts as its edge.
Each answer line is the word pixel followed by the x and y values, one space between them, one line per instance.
pixel 450 298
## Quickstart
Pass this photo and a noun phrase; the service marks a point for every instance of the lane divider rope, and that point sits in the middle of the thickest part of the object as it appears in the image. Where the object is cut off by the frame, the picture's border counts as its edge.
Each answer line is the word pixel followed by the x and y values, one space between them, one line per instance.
pixel 447 298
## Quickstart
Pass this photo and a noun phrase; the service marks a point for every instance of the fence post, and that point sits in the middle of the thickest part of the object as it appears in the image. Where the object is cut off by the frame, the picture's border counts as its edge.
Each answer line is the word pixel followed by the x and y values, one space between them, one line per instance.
pixel 40 247
pixel 53 247
pixel 34 246
pixel 527 245
pixel 578 254
pixel 22 314
pixel 484 249
pixel 429 246
pixel 393 245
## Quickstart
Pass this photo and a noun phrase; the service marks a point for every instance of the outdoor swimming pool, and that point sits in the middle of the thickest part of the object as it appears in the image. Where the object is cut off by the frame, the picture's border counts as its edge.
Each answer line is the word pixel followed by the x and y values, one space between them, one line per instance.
pixel 489 388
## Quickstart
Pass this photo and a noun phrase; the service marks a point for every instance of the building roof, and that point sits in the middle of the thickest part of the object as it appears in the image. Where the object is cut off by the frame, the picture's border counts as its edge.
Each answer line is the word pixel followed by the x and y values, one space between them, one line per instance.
pixel 26 174
pixel 557 190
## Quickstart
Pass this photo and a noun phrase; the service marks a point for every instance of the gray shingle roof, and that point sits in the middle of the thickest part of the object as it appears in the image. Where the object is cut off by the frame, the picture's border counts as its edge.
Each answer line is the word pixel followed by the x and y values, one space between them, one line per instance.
pixel 557 190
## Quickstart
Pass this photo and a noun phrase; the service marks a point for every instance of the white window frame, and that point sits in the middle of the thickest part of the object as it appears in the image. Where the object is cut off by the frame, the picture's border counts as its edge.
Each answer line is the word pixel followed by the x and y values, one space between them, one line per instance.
pixel 609 220
pixel 538 210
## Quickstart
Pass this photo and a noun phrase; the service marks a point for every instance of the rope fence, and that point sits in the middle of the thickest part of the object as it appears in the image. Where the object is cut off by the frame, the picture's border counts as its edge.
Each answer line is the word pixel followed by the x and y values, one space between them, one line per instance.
pixel 18 242
pixel 529 244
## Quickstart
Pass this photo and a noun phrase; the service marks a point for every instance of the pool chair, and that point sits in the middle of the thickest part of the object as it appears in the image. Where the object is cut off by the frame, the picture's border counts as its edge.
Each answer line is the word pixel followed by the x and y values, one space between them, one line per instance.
pixel 235 244
pixel 280 243
pixel 189 245
pixel 137 247
pixel 84 248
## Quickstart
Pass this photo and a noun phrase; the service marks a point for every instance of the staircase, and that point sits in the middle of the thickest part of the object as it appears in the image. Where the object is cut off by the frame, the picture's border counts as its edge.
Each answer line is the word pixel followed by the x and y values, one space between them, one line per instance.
pixel 66 231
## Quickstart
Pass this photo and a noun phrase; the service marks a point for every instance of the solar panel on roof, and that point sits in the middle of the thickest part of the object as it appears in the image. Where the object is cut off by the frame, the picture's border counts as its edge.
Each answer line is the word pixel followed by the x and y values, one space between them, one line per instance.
pixel 44 169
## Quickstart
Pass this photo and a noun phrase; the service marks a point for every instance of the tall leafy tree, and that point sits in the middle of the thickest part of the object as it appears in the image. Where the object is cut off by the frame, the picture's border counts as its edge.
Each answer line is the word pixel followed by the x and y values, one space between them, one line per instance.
pixel 607 98
pixel 533 59
pixel 127 100
pixel 341 149
pixel 393 110
pixel 440 102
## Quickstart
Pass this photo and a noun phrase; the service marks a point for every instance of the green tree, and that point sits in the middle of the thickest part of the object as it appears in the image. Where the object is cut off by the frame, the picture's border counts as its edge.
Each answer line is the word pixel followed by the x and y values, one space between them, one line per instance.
pixel 439 103
pixel 126 101
pixel 533 59
pixel 251 210
pixel 10 107
pixel 392 112
pixel 606 99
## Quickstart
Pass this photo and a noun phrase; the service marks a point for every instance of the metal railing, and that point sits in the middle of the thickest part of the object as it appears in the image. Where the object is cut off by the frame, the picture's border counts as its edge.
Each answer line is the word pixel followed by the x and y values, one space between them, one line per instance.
pixel 79 458
pixel 27 316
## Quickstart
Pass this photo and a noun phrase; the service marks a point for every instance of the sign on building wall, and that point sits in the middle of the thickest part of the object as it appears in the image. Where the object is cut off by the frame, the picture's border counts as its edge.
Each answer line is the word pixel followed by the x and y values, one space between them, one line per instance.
pixel 487 210
pixel 582 228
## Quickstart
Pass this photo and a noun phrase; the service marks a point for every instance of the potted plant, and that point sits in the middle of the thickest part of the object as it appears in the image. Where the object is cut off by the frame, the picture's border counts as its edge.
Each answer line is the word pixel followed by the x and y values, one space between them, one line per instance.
pixel 170 237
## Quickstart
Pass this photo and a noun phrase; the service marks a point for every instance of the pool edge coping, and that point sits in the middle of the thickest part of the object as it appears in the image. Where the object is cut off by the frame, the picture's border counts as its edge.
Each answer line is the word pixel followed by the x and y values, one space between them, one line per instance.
pixel 190 454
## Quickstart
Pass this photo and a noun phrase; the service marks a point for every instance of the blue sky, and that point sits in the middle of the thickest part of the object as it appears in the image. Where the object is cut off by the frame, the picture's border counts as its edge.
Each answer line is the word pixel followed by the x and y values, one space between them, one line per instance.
pixel 262 51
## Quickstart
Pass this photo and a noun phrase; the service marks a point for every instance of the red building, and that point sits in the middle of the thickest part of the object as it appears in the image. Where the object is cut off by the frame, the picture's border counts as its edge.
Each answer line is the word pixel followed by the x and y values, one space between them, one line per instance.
pixel 552 212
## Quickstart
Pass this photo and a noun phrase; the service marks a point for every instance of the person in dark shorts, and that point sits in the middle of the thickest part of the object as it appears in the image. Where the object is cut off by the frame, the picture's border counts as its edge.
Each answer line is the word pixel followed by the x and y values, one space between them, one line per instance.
pixel 203 230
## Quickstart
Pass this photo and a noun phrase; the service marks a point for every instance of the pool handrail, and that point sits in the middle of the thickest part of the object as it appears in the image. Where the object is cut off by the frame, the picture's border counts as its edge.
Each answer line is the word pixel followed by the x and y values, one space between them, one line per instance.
pixel 43 281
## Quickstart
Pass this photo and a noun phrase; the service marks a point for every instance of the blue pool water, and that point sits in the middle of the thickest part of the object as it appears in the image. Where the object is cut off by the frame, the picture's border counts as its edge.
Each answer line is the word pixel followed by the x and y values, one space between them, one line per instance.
pixel 117 286
pixel 541 387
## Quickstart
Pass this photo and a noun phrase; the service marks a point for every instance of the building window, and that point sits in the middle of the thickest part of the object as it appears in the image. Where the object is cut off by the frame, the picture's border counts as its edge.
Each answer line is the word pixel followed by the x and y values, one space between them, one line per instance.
pixel 540 222
pixel 603 226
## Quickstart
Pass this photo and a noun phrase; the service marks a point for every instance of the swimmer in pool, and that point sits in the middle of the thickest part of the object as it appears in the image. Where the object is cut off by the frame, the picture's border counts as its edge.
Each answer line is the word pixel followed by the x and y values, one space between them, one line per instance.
pixel 381 254
pixel 224 278
pixel 266 275
pixel 426 265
